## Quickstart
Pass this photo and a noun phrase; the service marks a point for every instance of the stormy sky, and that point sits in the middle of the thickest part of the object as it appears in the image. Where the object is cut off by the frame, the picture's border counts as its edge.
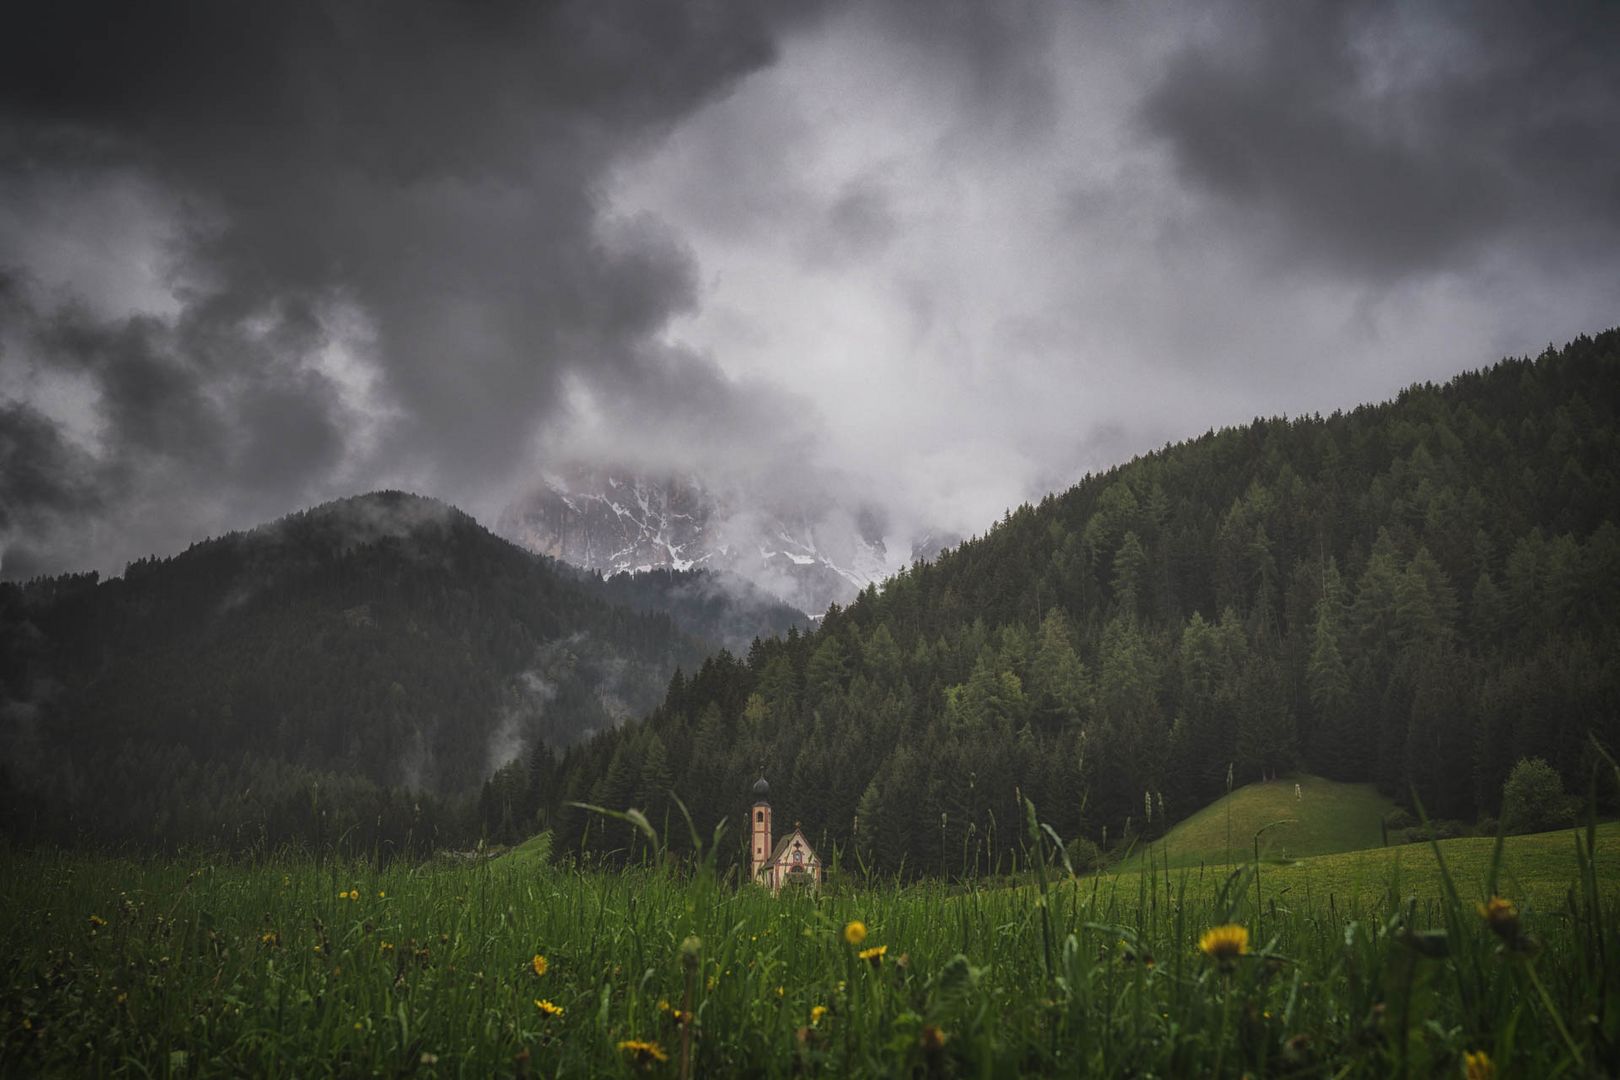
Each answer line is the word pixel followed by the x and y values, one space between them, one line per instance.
pixel 944 256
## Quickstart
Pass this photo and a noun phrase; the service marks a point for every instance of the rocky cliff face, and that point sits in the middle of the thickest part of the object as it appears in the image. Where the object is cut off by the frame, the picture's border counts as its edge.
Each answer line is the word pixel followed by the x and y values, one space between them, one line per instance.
pixel 613 521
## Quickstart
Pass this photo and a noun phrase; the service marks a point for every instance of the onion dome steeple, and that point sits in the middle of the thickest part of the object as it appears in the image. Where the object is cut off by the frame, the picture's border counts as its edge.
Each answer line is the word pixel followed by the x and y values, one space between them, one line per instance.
pixel 762 790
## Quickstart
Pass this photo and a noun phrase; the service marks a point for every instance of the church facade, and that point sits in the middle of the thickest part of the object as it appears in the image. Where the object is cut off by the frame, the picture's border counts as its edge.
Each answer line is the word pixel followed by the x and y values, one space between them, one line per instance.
pixel 791 860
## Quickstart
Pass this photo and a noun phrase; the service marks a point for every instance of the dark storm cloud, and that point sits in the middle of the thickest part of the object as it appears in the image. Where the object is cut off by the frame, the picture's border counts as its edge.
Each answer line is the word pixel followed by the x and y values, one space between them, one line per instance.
pixel 934 255
pixel 1383 139
pixel 386 241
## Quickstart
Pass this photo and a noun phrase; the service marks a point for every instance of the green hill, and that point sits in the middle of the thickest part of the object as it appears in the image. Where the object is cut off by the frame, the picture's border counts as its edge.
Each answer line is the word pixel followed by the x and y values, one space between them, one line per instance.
pixel 1536 871
pixel 1324 818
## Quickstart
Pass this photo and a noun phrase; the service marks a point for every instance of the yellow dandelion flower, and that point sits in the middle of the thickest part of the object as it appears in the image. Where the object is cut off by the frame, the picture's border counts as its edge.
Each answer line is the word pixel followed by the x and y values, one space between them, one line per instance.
pixel 1224 943
pixel 855 932
pixel 663 1004
pixel 381 895
pixel 386 946
pixel 933 1038
pixel 121 998
pixel 643 1052
pixel 1501 916
pixel 781 991
pixel 1477 1065
pixel 270 939
pixel 97 922
pixel 547 1008
pixel 817 1013
pixel 874 954
pixel 540 964
pixel 358 1026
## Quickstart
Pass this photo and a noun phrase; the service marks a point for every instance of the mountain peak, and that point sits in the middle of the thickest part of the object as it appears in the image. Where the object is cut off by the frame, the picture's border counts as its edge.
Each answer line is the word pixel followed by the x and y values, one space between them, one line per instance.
pixel 613 519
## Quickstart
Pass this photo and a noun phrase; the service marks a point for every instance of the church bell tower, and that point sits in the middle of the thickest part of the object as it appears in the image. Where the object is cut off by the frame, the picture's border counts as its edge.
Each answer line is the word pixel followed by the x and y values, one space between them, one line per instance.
pixel 762 826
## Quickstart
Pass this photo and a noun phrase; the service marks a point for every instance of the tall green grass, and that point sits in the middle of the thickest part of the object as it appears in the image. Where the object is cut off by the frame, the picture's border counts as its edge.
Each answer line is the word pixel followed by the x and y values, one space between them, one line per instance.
pixel 195 967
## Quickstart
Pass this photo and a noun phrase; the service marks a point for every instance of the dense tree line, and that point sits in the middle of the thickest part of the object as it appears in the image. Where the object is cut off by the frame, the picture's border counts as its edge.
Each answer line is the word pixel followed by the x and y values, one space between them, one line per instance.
pixel 351 673
pixel 1418 593
pixel 722 608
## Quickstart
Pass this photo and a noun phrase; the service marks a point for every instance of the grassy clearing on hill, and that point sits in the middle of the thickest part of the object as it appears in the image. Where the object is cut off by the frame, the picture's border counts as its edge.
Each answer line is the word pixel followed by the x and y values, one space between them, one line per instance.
pixel 1537 870
pixel 1324 818
pixel 196 967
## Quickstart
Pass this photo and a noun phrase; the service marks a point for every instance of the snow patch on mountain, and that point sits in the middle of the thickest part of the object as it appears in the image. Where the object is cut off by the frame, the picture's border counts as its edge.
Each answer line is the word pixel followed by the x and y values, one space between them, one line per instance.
pixel 615 520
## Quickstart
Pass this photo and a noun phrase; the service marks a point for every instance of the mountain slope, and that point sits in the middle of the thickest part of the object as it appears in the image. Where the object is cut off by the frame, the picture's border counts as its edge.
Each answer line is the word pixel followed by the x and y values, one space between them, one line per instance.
pixel 386 641
pixel 1414 594
pixel 615 521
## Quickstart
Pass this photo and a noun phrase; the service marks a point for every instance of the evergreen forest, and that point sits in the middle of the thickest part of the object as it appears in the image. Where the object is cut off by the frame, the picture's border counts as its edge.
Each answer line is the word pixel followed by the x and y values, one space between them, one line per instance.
pixel 348 676
pixel 1418 594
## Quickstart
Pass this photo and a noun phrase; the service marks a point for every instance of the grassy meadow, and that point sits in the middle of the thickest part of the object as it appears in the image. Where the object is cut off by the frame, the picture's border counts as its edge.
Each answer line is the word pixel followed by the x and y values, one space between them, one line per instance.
pixel 515 966
pixel 1325 817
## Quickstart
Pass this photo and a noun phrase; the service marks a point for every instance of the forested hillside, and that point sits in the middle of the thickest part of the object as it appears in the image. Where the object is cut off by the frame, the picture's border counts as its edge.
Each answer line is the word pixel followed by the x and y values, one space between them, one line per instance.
pixel 1417 593
pixel 725 609
pixel 354 671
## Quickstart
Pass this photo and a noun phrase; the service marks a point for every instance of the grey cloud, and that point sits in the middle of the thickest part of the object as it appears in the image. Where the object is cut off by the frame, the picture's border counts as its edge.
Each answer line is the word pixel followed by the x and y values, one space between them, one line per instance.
pixel 934 256
pixel 860 220
pixel 432 169
pixel 1378 140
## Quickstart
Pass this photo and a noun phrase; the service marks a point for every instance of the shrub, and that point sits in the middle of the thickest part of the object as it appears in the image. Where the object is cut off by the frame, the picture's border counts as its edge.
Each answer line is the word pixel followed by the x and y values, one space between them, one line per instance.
pixel 1398 819
pixel 1533 798
pixel 1085 855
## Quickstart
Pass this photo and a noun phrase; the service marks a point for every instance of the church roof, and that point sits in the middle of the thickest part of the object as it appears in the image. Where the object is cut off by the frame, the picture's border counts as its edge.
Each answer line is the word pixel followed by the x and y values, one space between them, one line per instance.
pixel 782 846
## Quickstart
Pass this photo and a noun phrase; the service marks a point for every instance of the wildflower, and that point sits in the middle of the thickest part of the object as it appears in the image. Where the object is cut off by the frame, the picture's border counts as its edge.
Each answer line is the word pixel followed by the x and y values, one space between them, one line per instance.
pixel 358 1026
pixel 817 1013
pixel 429 1058
pixel 855 932
pixel 385 947
pixel 270 939
pixel 1224 943
pixel 642 1052
pixel 547 1008
pixel 1477 1064
pixel 381 894
pixel 874 954
pixel 691 950
pixel 349 894
pixel 663 1004
pixel 122 997
pixel 781 991
pixel 1501 916
pixel 97 922
pixel 540 964
pixel 933 1038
